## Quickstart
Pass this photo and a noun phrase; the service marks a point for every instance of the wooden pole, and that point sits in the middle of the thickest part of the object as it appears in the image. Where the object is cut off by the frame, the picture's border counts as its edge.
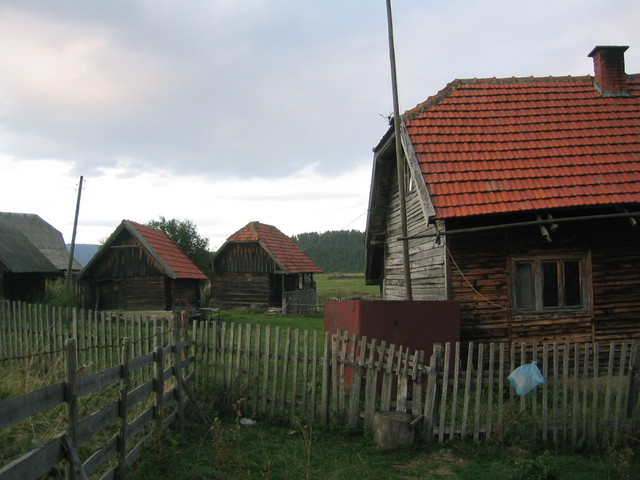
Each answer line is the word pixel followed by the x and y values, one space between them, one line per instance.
pixel 73 235
pixel 399 159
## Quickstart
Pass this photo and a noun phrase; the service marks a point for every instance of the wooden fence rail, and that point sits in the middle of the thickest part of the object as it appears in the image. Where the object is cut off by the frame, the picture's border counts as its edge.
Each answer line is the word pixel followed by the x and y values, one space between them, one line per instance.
pixel 459 391
pixel 115 433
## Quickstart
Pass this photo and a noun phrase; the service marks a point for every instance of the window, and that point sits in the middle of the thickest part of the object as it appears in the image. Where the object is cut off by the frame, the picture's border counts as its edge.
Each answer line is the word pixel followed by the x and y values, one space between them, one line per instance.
pixel 550 283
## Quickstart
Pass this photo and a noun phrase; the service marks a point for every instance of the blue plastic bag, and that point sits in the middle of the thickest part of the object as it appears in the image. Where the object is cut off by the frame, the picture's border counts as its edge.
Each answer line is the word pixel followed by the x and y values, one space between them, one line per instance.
pixel 525 378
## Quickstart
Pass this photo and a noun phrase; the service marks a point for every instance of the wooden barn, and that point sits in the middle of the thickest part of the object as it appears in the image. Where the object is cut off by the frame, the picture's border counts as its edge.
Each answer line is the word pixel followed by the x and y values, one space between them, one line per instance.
pixel 141 268
pixel 258 265
pixel 31 252
pixel 519 200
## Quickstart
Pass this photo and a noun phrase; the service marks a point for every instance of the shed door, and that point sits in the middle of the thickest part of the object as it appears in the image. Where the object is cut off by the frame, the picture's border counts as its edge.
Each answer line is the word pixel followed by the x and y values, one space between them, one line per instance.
pixel 275 289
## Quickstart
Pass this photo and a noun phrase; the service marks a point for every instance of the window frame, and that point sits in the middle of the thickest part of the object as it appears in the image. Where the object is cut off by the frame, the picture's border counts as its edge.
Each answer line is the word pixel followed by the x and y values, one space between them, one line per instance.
pixel 537 274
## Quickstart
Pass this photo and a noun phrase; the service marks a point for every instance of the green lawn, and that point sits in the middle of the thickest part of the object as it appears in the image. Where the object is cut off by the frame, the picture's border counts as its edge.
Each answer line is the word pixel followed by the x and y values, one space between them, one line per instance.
pixel 344 286
pixel 300 452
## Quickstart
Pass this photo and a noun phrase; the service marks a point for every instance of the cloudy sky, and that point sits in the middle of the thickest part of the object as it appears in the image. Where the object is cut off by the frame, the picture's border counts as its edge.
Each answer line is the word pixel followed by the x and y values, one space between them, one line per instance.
pixel 229 111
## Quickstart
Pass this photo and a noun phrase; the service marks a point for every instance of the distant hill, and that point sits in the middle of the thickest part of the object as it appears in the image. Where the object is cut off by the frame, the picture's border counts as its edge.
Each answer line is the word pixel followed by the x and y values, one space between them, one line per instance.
pixel 83 252
pixel 336 251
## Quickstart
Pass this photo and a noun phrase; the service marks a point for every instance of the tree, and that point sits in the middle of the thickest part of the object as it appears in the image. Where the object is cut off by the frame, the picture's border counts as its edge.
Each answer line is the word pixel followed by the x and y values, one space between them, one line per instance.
pixel 185 234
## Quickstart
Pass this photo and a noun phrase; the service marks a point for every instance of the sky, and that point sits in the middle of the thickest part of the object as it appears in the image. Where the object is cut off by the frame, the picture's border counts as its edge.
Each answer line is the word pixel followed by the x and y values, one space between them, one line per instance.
pixel 224 112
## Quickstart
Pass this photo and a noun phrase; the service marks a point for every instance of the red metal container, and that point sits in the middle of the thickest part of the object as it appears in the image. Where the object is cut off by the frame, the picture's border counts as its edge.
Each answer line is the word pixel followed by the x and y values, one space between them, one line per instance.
pixel 416 324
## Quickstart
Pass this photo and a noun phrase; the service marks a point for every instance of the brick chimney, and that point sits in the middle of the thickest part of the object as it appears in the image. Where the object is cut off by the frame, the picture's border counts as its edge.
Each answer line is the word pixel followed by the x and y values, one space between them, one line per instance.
pixel 608 63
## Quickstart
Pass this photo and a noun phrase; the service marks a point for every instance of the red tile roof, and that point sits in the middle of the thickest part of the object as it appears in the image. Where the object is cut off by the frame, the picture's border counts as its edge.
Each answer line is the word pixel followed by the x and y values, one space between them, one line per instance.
pixel 506 145
pixel 282 249
pixel 167 250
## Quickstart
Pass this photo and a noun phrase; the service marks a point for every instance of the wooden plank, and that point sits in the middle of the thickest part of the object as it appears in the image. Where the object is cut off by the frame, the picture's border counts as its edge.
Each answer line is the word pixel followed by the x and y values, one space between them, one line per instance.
pixel 36 463
pixel 314 376
pixel 140 393
pixel 266 368
pixel 141 361
pixel 490 386
pixel 454 394
pixel 607 398
pixel 18 408
pixel 556 388
pixel 123 408
pixel 620 392
pixel 585 391
pixel 387 379
pixel 545 393
pixel 140 422
pixel 403 380
pixel 276 368
pixel 96 422
pixel 326 379
pixel 418 368
pixel 430 404
pixel 256 369
pixel 285 371
pixel 467 391
pixel 478 409
pixel 356 380
pixel 246 370
pixel 371 382
pixel 445 391
pixel 565 392
pixel 344 342
pixel 594 389
pixel 92 383
pixel 576 395
pixel 305 372
pixel 100 456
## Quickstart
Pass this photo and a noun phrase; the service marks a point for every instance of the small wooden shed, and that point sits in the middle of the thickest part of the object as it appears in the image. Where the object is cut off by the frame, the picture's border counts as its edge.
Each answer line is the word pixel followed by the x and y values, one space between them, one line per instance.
pixel 141 268
pixel 258 265
pixel 31 252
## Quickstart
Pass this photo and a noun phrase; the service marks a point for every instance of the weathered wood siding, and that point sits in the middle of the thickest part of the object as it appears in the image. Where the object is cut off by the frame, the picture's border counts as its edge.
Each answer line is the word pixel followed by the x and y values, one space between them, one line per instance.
pixel 480 283
pixel 244 258
pixel 185 292
pixel 235 290
pixel 425 255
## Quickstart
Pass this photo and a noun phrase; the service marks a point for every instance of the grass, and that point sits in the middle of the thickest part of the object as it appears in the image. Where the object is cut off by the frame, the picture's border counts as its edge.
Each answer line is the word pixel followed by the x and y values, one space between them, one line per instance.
pixel 344 286
pixel 267 451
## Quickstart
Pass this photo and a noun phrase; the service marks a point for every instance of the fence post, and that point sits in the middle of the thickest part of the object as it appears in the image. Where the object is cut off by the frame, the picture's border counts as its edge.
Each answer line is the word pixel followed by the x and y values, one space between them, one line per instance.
pixel 71 397
pixel 122 409
pixel 175 340
pixel 634 388
pixel 430 397
pixel 326 379
pixel 158 384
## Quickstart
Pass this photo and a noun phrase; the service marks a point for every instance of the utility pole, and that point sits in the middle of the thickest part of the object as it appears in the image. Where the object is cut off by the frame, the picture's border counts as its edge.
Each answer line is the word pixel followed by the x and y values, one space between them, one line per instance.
pixel 399 159
pixel 73 235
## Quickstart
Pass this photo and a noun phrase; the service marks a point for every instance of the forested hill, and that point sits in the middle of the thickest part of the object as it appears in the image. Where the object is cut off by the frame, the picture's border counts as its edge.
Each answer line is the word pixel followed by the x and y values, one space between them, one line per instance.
pixel 339 251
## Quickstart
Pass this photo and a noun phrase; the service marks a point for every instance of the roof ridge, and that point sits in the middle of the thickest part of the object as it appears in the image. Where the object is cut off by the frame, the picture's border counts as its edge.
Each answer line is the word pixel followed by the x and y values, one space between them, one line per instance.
pixel 452 86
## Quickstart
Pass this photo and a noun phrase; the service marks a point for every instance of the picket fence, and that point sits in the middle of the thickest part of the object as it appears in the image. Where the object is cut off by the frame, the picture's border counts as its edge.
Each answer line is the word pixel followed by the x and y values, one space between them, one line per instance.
pixel 37 333
pixel 140 396
pixel 459 391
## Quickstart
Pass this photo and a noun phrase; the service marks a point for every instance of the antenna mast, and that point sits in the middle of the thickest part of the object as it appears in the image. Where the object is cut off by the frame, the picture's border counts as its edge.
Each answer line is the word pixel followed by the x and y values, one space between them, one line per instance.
pixel 73 236
pixel 399 159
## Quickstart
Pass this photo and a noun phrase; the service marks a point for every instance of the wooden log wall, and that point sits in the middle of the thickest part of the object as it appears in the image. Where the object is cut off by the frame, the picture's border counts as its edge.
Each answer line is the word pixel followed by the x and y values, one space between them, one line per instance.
pixel 234 290
pixel 480 283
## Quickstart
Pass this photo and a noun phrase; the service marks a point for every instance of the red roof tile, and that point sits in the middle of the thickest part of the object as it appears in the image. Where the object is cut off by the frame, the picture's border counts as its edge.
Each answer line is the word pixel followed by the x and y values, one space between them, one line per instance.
pixel 168 251
pixel 506 145
pixel 283 250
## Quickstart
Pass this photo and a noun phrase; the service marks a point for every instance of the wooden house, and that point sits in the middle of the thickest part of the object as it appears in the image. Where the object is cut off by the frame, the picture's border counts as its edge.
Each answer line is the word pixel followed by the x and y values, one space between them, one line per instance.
pixel 521 202
pixel 141 268
pixel 31 252
pixel 258 265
